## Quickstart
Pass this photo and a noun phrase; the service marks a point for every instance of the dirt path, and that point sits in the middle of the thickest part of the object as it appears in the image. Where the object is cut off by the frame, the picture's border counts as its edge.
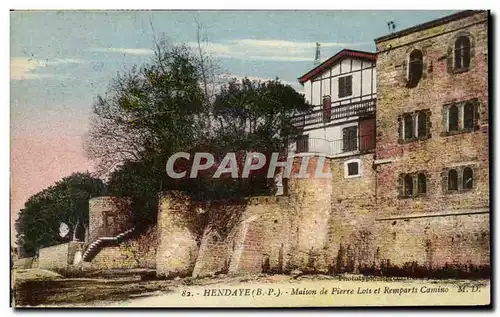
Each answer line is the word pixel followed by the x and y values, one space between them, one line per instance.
pixel 249 291
pixel 308 292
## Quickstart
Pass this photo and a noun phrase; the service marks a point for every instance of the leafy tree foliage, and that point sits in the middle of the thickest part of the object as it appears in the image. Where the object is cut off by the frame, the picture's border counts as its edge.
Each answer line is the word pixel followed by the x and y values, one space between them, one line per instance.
pixel 153 109
pixel 66 201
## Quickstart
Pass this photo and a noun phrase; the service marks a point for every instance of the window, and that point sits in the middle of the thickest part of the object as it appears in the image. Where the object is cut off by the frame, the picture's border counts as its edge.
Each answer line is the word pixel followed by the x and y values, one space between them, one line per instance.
pixel 345 86
pixel 461 117
pixel 422 124
pixel 350 139
pixel 459 179
pixel 303 144
pixel 452 180
pixel 408 185
pixel 415 68
pixel 415 126
pixel 469 121
pixel 327 109
pixel 462 53
pixel 467 178
pixel 352 169
pixel 421 183
pixel 453 118
pixel 408 124
pixel 110 220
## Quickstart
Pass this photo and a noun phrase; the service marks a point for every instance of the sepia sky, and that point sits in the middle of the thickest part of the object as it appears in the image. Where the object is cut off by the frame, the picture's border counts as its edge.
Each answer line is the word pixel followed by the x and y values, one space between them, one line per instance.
pixel 60 61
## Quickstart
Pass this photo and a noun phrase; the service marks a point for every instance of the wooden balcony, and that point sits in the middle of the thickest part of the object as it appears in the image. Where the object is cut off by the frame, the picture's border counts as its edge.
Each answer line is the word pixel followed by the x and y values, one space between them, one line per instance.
pixel 364 108
pixel 350 146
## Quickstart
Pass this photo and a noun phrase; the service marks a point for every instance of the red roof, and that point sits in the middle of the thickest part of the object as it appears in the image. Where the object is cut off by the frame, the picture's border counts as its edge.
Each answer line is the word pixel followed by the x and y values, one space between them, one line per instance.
pixel 334 59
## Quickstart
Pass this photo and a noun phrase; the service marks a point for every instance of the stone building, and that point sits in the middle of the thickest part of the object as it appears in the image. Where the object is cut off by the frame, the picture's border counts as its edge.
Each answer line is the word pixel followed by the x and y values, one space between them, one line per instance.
pixel 419 196
pixel 432 149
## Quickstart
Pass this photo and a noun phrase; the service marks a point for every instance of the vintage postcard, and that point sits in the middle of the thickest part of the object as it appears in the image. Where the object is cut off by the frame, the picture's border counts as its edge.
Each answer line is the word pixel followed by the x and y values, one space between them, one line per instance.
pixel 250 158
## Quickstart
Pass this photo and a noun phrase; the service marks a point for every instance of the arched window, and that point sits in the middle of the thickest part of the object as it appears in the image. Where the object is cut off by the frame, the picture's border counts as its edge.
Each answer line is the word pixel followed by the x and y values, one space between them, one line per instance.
pixel 416 67
pixel 469 116
pixel 453 118
pixel 467 178
pixel 408 185
pixel 462 52
pixel 452 180
pixel 422 124
pixel 408 126
pixel 422 183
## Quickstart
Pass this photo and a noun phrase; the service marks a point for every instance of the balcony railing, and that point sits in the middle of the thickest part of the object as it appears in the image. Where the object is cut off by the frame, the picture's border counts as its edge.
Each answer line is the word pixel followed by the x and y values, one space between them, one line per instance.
pixel 353 109
pixel 358 145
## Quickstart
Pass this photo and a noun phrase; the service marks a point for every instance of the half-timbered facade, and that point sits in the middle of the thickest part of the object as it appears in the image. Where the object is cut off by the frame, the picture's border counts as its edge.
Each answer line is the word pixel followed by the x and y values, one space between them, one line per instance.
pixel 343 92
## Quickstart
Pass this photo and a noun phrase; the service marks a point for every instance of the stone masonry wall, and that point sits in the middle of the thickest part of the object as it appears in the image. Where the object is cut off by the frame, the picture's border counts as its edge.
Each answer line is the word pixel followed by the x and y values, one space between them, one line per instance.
pixel 258 240
pixel 54 257
pixel 139 252
pixel 351 224
pixel 108 216
pixel 435 241
pixel 451 226
pixel 310 205
pixel 177 245
pixel 437 88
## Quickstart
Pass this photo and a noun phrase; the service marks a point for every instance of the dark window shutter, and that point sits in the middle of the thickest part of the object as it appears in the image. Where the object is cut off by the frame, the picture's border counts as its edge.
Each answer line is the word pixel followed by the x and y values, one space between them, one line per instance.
pixel 327 109
pixel 367 134
pixel 345 86
pixel 341 86
pixel 349 85
pixel 349 139
pixel 303 144
pixel 352 168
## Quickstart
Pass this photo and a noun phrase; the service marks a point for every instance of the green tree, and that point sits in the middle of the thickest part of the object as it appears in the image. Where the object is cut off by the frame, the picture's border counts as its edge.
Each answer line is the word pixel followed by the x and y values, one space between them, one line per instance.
pixel 66 201
pixel 155 109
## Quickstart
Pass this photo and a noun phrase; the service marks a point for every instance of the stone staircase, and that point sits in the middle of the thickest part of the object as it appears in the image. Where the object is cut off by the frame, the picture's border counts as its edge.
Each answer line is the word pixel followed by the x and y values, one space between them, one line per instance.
pixel 95 247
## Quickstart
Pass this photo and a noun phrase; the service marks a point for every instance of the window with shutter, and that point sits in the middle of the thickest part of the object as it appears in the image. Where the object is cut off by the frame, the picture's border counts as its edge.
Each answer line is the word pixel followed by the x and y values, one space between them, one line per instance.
pixel 353 169
pixel 303 144
pixel 327 109
pixel 350 139
pixel 345 86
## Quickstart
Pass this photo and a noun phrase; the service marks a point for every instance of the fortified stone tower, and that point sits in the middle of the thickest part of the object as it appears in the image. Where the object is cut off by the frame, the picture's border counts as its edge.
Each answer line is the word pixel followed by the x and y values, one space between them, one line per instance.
pixel 311 198
pixel 108 217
